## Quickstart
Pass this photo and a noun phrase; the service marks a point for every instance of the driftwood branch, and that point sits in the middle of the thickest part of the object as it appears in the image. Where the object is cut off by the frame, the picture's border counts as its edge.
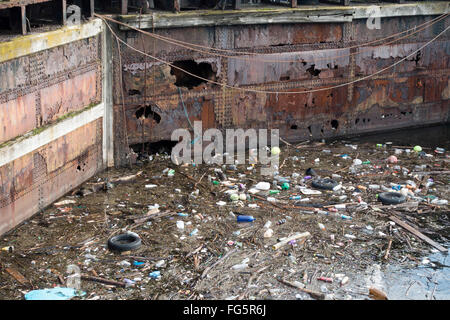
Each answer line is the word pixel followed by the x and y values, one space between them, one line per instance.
pixel 417 233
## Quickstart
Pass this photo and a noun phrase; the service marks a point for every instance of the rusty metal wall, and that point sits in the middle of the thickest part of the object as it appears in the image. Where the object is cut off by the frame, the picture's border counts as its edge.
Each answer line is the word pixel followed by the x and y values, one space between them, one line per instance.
pixel 36 91
pixel 32 182
pixel 415 92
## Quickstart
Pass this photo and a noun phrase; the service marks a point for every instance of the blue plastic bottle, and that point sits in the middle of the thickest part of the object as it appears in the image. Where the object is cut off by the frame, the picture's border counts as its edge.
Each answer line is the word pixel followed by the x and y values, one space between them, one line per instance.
pixel 245 218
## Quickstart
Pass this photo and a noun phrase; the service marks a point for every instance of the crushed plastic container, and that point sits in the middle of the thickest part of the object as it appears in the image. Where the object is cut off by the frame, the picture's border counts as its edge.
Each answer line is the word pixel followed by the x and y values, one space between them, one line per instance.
pixel 263 186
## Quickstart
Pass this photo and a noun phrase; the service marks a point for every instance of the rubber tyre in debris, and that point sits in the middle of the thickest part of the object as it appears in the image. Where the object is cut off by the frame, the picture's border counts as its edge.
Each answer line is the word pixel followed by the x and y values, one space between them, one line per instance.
pixel 124 242
pixel 325 184
pixel 391 198
pixel 310 172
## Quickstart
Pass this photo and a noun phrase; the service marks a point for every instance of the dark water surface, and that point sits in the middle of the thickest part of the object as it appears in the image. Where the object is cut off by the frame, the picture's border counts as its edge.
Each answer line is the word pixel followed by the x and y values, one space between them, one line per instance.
pixel 423 280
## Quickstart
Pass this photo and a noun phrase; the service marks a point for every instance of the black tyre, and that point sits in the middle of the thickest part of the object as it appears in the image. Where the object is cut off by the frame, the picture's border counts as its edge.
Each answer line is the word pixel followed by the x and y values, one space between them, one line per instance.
pixel 391 198
pixel 124 242
pixel 325 184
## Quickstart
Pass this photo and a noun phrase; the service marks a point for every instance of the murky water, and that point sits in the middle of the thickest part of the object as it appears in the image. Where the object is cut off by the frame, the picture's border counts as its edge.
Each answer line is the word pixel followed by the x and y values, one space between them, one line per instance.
pixel 430 137
pixel 429 278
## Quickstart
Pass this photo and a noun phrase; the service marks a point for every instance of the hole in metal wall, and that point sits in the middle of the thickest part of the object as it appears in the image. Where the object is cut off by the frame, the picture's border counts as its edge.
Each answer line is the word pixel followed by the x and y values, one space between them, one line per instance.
pixel 134 92
pixel 147 112
pixel 313 71
pixel 202 69
pixel 334 124
pixel 160 147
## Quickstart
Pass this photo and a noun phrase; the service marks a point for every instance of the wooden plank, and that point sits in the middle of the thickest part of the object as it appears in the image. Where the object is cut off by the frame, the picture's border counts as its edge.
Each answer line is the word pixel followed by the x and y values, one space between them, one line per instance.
pixel 17 275
pixel 418 234
pixel 315 295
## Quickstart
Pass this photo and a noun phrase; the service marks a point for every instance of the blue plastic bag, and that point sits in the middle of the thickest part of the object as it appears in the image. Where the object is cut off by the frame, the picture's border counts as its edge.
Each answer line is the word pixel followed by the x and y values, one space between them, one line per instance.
pixel 53 294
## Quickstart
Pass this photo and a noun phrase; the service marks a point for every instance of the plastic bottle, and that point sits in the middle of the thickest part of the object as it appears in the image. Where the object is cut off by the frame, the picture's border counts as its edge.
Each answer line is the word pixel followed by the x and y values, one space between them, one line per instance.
pixel 180 225
pixel 268 233
pixel 9 249
pixel 242 218
pixel 155 274
pixel 239 266
pixel 268 224
pixel 439 201
pixel 263 186
pixel 429 183
pixel 234 197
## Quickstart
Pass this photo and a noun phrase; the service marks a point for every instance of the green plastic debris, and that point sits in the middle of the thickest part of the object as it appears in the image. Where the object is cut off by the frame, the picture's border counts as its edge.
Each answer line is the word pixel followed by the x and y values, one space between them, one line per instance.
pixel 285 186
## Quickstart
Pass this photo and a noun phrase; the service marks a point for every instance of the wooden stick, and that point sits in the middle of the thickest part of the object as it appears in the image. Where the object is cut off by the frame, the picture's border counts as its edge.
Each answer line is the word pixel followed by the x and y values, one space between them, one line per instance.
pixel 126 179
pixel 253 276
pixel 316 295
pixel 194 252
pixel 207 269
pixel 195 185
pixel 418 234
pixel 101 280
pixel 261 198
pixel 284 141
pixel 287 240
pixel 386 256
pixel 376 294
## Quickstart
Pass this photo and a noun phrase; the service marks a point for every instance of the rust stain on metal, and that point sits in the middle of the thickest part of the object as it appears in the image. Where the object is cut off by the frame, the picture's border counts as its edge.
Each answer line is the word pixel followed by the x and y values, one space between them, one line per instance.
pixel 414 92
